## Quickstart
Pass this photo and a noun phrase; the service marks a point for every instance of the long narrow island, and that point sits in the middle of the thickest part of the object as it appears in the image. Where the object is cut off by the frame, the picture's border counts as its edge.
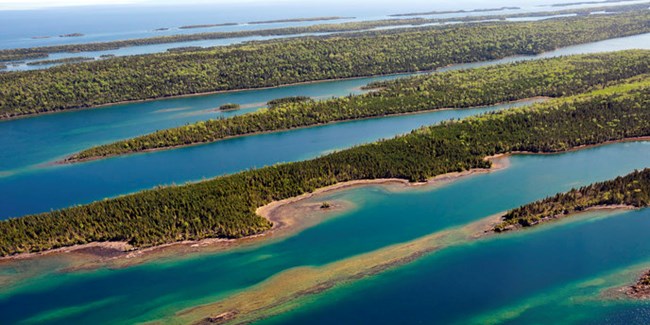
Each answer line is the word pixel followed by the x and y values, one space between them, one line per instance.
pixel 274 63
pixel 225 207
pixel 455 89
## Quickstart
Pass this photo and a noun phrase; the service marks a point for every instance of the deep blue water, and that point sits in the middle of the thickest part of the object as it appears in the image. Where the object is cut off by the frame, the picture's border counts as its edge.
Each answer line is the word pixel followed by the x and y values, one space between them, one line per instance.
pixel 105 23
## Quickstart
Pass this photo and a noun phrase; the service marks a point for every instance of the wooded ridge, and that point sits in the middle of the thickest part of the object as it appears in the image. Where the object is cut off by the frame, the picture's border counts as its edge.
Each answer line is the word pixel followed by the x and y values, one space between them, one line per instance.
pixel 282 62
pixel 455 89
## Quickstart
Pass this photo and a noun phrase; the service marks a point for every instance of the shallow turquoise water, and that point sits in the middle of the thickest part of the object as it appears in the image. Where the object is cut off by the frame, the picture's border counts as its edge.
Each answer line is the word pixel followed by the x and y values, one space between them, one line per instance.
pixel 161 288
pixel 98 24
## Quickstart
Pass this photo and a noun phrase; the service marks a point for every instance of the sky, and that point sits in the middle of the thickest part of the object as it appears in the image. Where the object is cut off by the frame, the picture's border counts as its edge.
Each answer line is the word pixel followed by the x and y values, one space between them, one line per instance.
pixel 40 4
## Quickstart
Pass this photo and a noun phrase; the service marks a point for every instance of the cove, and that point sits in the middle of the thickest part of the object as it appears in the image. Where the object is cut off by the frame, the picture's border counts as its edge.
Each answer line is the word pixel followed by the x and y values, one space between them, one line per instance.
pixel 161 288
pixel 542 276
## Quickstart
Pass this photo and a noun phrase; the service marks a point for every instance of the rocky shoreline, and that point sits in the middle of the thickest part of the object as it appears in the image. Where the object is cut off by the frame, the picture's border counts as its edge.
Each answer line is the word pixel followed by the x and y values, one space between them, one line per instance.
pixel 640 290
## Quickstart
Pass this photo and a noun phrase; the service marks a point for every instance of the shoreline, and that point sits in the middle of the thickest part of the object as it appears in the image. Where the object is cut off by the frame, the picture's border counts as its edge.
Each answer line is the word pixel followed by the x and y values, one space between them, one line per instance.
pixel 584 146
pixel 215 92
pixel 269 211
pixel 282 224
pixel 265 298
pixel 67 161
pixel 406 73
pixel 560 217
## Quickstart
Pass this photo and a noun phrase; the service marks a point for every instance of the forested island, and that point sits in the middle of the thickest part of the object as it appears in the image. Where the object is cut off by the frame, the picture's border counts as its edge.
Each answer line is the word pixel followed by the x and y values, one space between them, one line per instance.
pixel 40 52
pixel 454 89
pixel 641 290
pixel 72 35
pixel 275 63
pixel 207 25
pixel 229 107
pixel 632 190
pixel 225 206
pixel 427 13
pixel 185 49
pixel 297 20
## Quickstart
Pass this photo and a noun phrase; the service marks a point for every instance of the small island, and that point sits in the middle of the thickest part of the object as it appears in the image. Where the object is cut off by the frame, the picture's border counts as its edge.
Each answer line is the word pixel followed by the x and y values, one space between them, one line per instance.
pixel 72 35
pixel 207 25
pixel 107 56
pixel 161 29
pixel 292 99
pixel 297 20
pixel 229 107
pixel 41 37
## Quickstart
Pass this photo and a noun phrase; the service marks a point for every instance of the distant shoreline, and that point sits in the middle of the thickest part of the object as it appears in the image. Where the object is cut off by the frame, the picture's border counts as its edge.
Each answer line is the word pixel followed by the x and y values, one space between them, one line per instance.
pixel 431 13
pixel 13 115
